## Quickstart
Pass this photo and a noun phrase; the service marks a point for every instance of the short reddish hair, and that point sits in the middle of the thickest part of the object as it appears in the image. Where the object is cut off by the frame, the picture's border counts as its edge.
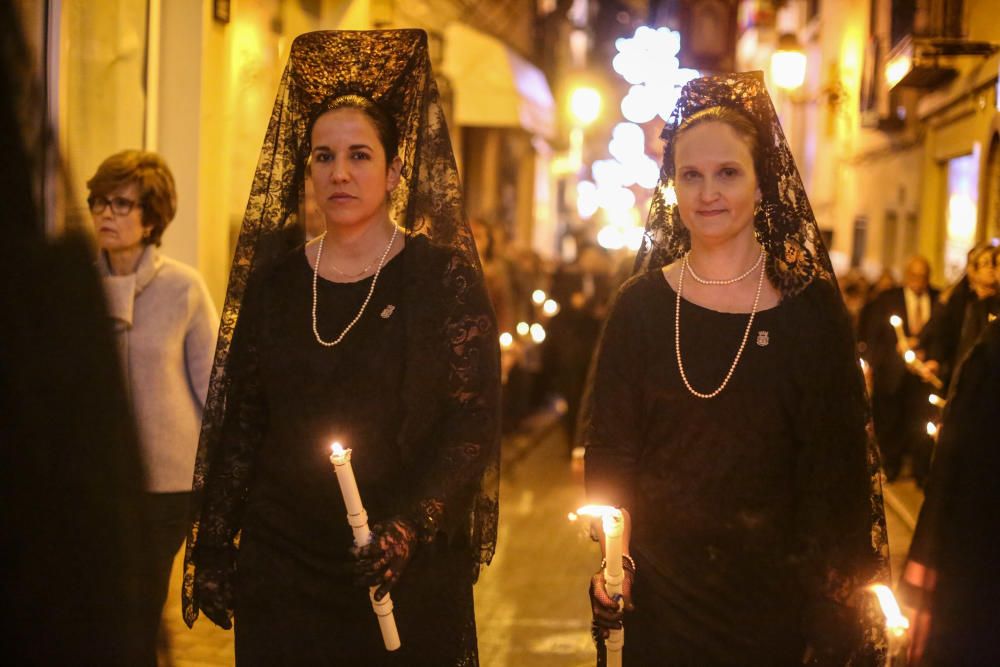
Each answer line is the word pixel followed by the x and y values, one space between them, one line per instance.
pixel 151 175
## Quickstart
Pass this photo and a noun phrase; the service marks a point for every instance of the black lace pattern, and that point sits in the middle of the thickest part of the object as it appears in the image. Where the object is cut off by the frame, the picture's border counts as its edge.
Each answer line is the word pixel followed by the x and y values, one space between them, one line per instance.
pixel 452 367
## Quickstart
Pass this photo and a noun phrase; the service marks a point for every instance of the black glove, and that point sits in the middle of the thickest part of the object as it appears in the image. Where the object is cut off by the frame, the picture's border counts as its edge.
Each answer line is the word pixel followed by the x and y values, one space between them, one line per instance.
pixel 381 561
pixel 213 583
pixel 607 614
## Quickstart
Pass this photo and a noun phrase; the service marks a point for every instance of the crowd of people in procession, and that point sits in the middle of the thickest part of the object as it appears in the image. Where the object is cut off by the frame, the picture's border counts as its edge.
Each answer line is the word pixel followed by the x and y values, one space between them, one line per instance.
pixel 487 333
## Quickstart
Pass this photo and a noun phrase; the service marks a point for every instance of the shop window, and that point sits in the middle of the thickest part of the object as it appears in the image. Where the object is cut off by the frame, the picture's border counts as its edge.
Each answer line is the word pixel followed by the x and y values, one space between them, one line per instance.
pixel 960 212
pixel 98 82
pixel 859 244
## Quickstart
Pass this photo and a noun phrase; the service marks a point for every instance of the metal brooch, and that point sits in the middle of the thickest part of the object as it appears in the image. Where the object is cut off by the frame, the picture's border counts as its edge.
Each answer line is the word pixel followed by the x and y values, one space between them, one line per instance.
pixel 763 338
pixel 388 311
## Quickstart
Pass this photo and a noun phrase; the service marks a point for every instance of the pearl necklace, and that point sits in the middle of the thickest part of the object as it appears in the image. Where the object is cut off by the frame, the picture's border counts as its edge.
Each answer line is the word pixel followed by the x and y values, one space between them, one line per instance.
pixel 371 290
pixel 728 281
pixel 677 333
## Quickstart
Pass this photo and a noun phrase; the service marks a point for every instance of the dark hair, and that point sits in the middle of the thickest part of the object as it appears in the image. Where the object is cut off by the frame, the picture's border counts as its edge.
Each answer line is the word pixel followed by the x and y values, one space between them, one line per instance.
pixel 150 173
pixel 385 126
pixel 742 124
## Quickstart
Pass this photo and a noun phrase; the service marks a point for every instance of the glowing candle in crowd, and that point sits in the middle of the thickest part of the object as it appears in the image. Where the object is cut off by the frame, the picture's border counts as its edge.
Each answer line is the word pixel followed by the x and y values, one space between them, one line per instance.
pixel 896 624
pixel 357 517
pixel 550 307
pixel 523 328
pixel 932 429
pixel 936 401
pixel 537 332
pixel 538 296
pixel 897 323
pixel 613 523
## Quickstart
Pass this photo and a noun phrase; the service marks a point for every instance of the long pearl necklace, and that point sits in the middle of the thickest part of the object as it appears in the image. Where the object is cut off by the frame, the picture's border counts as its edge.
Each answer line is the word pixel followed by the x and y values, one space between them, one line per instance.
pixel 726 281
pixel 677 333
pixel 371 290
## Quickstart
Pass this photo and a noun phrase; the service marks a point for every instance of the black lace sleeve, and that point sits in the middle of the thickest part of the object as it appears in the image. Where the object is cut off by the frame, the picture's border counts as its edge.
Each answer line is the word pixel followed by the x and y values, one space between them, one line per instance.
pixel 222 481
pixel 611 422
pixel 465 442
pixel 833 483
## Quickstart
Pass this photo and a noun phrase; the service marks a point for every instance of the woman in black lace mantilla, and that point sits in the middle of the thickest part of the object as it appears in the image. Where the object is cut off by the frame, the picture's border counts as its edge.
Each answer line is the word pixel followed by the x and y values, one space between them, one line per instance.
pixel 377 334
pixel 727 414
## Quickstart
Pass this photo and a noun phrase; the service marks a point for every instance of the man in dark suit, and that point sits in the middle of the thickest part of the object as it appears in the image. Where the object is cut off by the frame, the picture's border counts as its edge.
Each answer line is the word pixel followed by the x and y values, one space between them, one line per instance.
pixel 899 397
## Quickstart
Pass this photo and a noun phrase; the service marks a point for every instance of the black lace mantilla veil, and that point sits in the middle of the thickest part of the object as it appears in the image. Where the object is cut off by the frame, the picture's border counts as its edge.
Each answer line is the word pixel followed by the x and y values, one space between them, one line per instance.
pixel 392 68
pixel 787 229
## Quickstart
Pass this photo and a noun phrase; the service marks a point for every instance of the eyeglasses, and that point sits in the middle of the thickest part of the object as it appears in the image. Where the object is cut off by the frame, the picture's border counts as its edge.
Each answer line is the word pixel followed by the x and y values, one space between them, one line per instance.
pixel 119 205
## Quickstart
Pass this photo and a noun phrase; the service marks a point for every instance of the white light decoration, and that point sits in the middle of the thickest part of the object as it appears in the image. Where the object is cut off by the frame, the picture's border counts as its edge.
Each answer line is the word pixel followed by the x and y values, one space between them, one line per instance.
pixel 610 238
pixel 639 106
pixel 627 141
pixel 587 201
pixel 539 296
pixel 633 238
pixel 647 172
pixel 550 307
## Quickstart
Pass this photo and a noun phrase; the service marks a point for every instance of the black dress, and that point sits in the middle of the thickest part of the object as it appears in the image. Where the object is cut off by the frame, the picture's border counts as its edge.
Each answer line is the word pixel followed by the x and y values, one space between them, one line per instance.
pixel 751 511
pixel 294 599
pixel 956 534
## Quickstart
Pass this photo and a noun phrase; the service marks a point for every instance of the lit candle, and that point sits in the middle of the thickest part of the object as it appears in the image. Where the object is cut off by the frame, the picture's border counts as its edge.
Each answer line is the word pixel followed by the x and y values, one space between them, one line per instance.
pixel 936 401
pixel 613 523
pixel 897 323
pixel 357 517
pixel 896 624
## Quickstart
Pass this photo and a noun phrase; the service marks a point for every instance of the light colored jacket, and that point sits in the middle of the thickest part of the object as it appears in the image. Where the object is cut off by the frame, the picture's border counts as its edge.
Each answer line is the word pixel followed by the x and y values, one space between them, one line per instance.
pixel 166 327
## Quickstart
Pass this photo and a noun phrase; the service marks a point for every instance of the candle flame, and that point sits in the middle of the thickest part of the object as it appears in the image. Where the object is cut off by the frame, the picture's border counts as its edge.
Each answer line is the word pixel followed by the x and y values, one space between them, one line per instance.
pixel 909 356
pixel 337 449
pixel 936 401
pixel 896 320
pixel 932 429
pixel 608 514
pixel 895 621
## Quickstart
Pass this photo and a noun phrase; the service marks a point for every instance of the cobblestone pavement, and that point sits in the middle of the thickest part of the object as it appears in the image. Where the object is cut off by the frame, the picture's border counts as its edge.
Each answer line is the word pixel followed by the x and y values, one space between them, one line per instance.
pixel 531 604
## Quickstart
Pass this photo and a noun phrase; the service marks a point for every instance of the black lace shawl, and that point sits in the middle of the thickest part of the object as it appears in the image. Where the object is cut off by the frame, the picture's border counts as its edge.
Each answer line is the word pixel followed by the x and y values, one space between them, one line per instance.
pixel 452 378
pixel 796 256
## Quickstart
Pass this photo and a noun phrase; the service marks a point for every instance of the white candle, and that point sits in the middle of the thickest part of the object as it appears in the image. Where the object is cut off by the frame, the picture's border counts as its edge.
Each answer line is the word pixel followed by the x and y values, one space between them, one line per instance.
pixel 896 624
pixel 897 323
pixel 357 518
pixel 613 523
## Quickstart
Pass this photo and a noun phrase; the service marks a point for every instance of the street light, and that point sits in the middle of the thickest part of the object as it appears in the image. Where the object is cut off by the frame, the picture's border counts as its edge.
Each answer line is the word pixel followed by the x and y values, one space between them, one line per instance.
pixel 585 105
pixel 788 63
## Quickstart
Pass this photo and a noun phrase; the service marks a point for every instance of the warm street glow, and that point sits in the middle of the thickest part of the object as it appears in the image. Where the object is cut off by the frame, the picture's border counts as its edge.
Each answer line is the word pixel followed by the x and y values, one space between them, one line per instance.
pixel 788 63
pixel 585 104
pixel 897 68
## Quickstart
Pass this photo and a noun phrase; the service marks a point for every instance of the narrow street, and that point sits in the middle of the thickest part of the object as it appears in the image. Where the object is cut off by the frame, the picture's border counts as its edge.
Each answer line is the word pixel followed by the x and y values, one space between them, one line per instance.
pixel 531 603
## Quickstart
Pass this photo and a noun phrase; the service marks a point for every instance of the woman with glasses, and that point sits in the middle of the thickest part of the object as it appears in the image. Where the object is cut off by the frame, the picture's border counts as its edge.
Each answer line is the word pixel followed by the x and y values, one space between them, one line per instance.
pixel 165 325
